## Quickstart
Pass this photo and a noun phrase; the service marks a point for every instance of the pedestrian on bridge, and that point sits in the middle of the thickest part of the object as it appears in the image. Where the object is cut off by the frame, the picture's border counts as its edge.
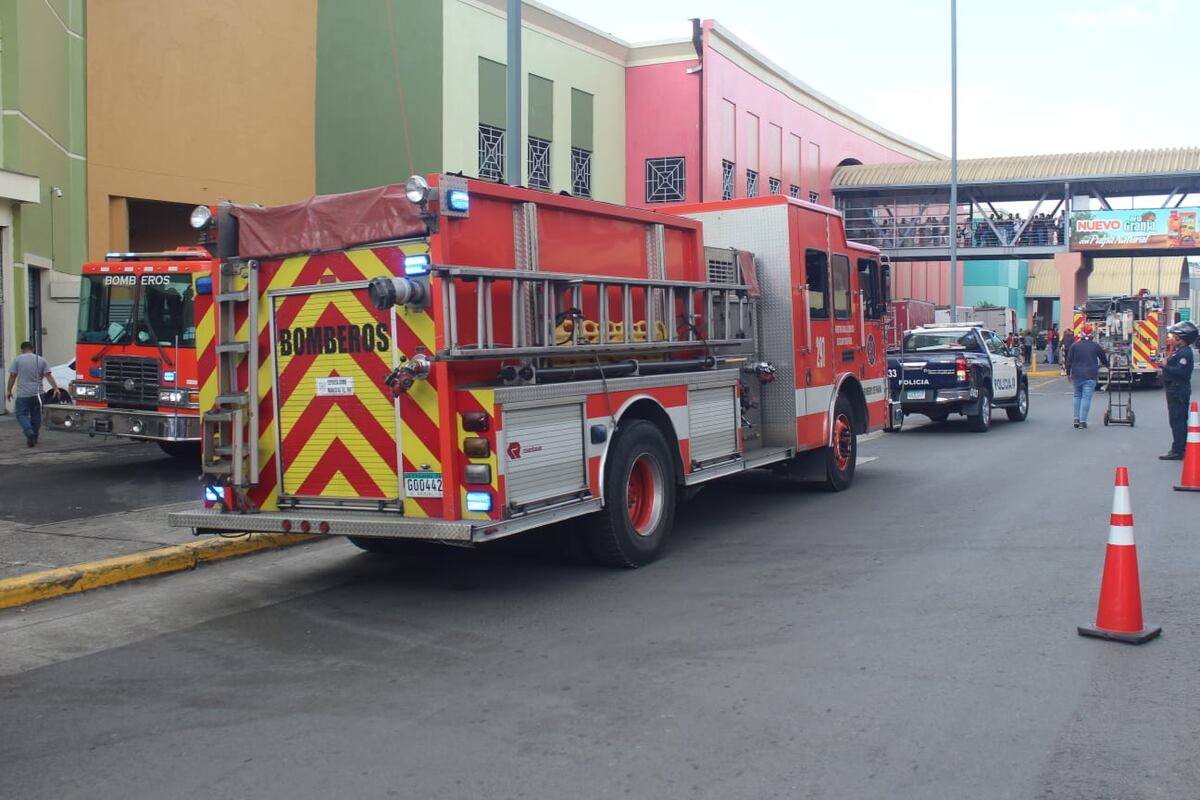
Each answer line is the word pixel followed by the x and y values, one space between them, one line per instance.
pixel 1177 384
pixel 26 372
pixel 1083 370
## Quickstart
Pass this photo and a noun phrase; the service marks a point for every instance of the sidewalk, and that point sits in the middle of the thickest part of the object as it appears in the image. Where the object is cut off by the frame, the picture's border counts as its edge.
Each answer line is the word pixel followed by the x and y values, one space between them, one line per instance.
pixel 40 561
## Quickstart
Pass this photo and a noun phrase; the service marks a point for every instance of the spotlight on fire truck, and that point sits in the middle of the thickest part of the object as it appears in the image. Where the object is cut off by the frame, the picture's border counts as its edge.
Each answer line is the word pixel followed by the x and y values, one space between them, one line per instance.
pixel 201 217
pixel 417 190
pixel 388 291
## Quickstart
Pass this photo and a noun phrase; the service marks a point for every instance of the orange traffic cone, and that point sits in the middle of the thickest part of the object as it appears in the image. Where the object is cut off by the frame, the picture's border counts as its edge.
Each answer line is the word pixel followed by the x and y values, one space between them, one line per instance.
pixel 1119 616
pixel 1189 480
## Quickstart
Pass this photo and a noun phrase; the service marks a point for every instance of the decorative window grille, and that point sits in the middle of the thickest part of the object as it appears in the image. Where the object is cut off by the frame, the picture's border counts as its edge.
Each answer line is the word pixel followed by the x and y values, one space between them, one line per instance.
pixel 726 180
pixel 774 185
pixel 581 172
pixel 665 180
pixel 491 153
pixel 539 163
pixel 794 191
pixel 751 183
pixel 813 197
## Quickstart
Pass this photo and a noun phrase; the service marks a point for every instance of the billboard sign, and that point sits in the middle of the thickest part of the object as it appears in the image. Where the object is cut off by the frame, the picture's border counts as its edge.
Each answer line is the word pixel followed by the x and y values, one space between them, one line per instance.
pixel 1134 229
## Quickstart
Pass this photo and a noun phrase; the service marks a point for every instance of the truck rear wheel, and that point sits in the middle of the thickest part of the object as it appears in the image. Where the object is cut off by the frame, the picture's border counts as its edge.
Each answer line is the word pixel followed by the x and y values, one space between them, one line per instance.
pixel 841 456
pixel 639 499
pixel 983 420
pixel 182 451
pixel 1020 411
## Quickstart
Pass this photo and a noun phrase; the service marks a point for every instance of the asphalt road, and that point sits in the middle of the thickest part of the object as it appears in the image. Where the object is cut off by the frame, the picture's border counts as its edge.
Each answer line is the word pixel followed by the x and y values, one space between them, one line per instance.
pixel 912 638
pixel 69 475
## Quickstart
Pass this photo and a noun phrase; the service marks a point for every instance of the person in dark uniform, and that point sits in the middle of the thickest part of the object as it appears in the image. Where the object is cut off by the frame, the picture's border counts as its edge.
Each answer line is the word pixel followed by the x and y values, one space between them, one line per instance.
pixel 1177 384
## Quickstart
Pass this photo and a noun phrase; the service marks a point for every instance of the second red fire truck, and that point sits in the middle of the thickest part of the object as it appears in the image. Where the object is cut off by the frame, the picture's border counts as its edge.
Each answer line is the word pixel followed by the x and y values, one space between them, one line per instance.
pixel 456 360
pixel 135 355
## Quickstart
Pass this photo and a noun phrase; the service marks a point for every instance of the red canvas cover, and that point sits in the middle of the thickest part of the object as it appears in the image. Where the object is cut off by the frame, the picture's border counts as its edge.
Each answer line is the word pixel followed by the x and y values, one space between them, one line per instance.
pixel 327 222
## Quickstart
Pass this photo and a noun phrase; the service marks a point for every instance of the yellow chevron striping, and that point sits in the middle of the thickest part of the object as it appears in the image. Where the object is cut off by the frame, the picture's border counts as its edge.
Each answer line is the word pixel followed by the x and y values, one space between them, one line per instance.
pixel 333 427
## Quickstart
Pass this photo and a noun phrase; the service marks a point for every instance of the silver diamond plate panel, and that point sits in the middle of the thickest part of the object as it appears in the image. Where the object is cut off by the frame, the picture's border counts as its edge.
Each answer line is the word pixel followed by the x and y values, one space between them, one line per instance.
pixel 764 232
pixel 391 526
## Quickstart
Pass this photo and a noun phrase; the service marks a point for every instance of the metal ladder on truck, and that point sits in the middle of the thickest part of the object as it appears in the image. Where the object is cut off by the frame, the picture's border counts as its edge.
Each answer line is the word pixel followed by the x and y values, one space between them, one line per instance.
pixel 230 428
pixel 671 310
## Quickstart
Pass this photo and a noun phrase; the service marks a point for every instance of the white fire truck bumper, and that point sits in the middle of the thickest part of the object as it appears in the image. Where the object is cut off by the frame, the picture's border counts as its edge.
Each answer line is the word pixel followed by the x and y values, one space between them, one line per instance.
pixel 152 425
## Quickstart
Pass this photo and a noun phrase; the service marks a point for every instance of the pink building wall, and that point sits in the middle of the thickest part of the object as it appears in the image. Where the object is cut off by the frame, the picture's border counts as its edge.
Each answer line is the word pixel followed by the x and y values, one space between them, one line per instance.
pixel 664 117
pixel 925 280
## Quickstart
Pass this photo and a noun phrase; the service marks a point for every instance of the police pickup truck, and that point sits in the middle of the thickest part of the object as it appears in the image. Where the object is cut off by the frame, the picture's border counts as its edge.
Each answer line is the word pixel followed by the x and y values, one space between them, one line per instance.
pixel 957 368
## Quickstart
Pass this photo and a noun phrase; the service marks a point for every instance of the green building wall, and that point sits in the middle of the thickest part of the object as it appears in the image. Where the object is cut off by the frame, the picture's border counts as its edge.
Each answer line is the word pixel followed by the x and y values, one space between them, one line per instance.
pixel 43 133
pixel 379 92
pixel 997 283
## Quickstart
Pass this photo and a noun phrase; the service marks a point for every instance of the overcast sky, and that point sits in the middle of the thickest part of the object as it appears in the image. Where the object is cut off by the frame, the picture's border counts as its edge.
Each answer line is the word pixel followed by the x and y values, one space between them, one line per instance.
pixel 1033 77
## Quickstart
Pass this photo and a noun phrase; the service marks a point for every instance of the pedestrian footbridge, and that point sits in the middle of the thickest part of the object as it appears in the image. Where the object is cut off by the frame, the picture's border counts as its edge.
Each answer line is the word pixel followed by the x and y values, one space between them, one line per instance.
pixel 1071 208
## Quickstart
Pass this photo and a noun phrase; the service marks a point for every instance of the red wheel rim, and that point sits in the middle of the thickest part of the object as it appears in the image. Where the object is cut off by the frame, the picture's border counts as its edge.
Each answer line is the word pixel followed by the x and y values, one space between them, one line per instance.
pixel 843 442
pixel 644 495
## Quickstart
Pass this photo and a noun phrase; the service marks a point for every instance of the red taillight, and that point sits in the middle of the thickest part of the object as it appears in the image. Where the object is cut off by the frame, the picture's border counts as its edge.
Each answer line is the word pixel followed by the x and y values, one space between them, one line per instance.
pixel 323 527
pixel 475 421
pixel 286 526
pixel 962 370
pixel 305 526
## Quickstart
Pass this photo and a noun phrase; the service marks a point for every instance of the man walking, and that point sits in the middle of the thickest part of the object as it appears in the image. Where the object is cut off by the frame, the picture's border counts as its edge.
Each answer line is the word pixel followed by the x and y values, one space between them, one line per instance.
pixel 1177 384
pixel 26 372
pixel 1083 370
pixel 1027 346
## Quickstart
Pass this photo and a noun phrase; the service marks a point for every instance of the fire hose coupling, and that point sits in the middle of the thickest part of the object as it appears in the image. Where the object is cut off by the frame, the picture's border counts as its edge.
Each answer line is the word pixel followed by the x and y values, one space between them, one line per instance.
pixel 387 291
pixel 404 376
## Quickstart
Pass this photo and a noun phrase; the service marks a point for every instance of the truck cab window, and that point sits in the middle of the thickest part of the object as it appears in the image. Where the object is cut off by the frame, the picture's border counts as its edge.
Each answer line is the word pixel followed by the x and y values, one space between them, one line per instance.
pixel 841 286
pixel 816 272
pixel 868 281
pixel 106 304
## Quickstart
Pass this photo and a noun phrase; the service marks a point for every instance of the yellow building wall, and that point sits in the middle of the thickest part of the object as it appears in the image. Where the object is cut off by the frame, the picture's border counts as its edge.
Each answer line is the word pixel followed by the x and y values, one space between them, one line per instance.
pixel 475 28
pixel 197 103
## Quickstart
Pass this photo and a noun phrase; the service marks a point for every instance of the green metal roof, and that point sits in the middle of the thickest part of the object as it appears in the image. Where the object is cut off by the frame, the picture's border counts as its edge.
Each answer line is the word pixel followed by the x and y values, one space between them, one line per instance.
pixel 1031 169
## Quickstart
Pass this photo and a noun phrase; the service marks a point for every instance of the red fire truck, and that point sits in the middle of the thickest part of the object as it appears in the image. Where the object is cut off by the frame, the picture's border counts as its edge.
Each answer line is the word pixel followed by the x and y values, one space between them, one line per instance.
pixel 456 360
pixel 135 357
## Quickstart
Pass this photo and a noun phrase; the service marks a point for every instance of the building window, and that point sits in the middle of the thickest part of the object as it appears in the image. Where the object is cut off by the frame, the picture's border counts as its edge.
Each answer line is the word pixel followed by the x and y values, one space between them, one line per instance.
pixel 539 163
pixel 665 180
pixel 491 153
pixel 726 179
pixel 813 197
pixel 774 185
pixel 794 191
pixel 751 183
pixel 581 172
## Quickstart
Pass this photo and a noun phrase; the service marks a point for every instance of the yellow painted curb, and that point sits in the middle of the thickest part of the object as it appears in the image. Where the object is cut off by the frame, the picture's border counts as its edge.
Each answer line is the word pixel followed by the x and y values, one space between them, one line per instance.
pixel 25 589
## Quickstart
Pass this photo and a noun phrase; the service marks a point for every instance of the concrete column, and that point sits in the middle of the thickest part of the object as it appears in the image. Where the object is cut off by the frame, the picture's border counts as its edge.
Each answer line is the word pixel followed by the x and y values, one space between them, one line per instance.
pixel 1073 272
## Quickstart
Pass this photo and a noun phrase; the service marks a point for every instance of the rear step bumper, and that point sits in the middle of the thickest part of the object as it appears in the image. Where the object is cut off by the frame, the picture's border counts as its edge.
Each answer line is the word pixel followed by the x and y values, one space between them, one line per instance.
pixel 372 524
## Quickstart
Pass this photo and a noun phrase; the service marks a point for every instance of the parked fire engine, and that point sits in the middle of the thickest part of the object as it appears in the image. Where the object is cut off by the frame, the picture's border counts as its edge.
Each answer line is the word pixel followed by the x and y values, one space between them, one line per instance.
pixel 135 356
pixel 457 360
pixel 1128 327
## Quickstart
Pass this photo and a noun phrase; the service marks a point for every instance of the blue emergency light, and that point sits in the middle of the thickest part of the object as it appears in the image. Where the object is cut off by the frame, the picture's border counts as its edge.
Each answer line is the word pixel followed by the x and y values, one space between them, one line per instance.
pixel 214 493
pixel 479 501
pixel 204 285
pixel 168 376
pixel 416 265
pixel 458 200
